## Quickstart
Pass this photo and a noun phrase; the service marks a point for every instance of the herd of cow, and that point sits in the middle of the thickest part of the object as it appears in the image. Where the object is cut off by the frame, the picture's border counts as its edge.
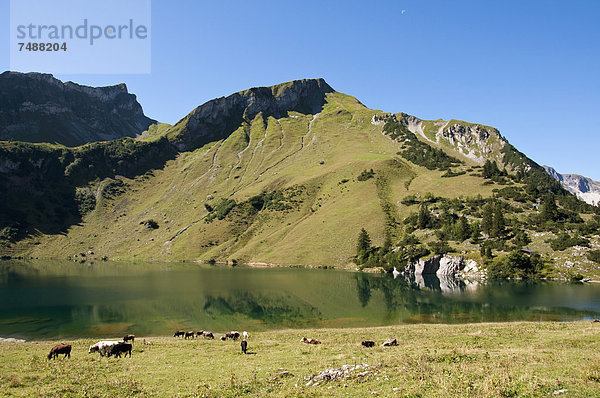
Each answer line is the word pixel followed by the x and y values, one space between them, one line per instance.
pixel 109 348
pixel 233 335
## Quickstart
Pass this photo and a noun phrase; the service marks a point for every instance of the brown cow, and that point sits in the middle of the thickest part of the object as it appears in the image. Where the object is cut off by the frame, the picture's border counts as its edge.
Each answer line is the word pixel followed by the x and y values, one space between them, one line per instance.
pixel 189 334
pixel 244 345
pixel 310 341
pixel 60 349
pixel 129 337
pixel 231 335
pixel 179 333
pixel 368 343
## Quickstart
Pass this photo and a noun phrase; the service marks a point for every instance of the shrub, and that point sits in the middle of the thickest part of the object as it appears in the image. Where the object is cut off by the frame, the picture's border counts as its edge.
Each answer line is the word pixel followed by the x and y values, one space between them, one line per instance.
pixel 150 224
pixel 86 201
pixel 9 234
pixel 440 247
pixel 517 265
pixel 594 255
pixel 563 241
pixel 365 175
pixel 221 209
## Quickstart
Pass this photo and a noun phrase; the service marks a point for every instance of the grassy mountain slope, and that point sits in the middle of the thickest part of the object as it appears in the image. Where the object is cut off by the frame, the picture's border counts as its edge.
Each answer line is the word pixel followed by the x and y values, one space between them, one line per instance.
pixel 278 175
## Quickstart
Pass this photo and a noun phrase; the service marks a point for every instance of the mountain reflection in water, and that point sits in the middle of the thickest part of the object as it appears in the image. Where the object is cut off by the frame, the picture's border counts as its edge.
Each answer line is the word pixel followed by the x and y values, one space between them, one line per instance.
pixel 64 299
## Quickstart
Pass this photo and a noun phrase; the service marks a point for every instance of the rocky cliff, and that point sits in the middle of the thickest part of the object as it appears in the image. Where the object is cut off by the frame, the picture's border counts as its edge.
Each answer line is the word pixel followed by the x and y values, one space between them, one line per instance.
pixel 584 188
pixel 37 107
pixel 218 118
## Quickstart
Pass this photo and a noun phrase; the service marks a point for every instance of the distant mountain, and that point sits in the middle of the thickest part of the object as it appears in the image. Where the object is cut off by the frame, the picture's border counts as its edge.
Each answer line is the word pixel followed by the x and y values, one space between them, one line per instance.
pixel 36 107
pixel 584 188
pixel 288 174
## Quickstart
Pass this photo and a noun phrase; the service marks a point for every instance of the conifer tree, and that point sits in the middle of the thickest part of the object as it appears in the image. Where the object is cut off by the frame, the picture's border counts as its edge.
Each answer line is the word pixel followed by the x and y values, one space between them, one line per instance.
pixel 486 219
pixel 363 246
pixel 462 229
pixel 498 222
pixel 549 210
pixel 424 218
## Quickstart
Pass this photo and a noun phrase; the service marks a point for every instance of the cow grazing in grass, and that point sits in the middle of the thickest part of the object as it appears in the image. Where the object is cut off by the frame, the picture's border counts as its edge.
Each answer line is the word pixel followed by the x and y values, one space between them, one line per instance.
pixel 231 335
pixel 208 335
pixel 189 334
pixel 390 343
pixel 129 337
pixel 245 335
pixel 368 343
pixel 103 347
pixel 200 333
pixel 60 349
pixel 179 333
pixel 244 345
pixel 310 341
pixel 117 349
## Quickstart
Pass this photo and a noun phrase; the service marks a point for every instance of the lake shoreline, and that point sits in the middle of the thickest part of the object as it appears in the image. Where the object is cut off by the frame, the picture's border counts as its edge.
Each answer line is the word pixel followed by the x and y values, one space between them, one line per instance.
pixel 350 267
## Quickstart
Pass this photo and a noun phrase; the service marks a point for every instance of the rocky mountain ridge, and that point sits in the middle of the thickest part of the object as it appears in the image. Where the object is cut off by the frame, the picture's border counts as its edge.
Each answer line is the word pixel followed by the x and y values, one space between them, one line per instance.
pixel 584 188
pixel 36 107
pixel 218 118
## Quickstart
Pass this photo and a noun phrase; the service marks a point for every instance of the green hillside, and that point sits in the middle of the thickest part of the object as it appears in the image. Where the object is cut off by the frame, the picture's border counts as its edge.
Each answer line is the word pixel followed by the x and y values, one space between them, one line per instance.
pixel 285 175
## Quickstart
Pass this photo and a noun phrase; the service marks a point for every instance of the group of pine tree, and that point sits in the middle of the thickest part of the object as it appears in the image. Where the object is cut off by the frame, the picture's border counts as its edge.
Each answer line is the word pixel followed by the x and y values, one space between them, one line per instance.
pixel 498 226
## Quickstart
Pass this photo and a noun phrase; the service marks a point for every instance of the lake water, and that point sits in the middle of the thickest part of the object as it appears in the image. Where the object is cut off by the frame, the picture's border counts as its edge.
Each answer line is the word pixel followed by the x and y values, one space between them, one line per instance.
pixel 54 299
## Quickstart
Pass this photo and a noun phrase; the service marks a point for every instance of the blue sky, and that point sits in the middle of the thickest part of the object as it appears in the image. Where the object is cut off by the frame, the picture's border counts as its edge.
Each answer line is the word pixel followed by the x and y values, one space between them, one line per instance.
pixel 529 68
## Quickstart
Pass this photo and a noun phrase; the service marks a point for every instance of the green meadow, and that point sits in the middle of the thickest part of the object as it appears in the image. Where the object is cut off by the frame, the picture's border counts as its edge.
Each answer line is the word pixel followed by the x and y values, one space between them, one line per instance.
pixel 474 360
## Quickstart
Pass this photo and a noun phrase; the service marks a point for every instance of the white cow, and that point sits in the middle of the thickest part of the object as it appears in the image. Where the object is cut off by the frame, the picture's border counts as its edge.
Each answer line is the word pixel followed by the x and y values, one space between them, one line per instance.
pixel 245 335
pixel 103 347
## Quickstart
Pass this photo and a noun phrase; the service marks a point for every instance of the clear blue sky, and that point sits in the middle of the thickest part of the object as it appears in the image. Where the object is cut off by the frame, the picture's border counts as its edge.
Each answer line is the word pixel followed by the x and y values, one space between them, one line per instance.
pixel 529 68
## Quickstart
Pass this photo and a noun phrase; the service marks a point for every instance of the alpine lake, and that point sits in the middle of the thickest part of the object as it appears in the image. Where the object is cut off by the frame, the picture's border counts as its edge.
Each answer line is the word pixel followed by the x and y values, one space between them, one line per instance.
pixel 59 299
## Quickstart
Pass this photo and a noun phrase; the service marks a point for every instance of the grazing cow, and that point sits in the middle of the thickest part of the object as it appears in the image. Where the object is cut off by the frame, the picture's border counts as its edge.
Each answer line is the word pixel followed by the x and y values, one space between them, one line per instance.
pixel 103 347
pixel 117 349
pixel 189 334
pixel 389 343
pixel 310 341
pixel 200 333
pixel 179 333
pixel 244 345
pixel 208 335
pixel 231 335
pixel 245 335
pixel 60 349
pixel 129 337
pixel 368 343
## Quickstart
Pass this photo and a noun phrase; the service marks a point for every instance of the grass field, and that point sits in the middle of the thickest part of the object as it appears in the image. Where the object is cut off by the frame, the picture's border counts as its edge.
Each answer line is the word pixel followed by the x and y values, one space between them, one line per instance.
pixel 472 360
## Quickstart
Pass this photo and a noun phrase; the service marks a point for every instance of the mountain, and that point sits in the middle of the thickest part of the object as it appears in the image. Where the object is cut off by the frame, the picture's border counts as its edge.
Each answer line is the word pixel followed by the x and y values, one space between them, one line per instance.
pixel 584 188
pixel 289 175
pixel 36 107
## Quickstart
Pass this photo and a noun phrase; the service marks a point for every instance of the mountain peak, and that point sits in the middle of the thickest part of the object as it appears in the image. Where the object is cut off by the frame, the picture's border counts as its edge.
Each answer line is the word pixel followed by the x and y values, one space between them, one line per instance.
pixel 584 188
pixel 37 107
pixel 218 118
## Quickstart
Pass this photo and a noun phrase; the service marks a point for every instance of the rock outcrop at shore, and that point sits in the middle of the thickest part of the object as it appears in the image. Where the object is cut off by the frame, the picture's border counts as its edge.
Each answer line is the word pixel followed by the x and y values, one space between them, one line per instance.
pixel 440 273
pixel 438 265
